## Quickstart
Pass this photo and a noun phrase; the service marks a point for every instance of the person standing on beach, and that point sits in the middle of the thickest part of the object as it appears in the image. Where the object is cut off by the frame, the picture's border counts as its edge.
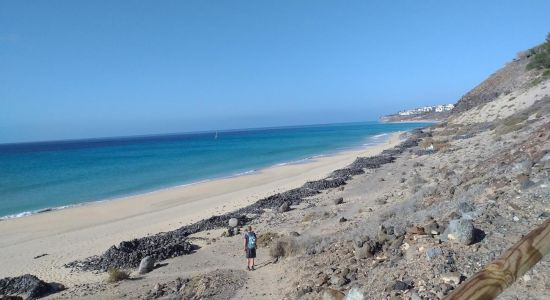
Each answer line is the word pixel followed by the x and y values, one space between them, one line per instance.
pixel 250 248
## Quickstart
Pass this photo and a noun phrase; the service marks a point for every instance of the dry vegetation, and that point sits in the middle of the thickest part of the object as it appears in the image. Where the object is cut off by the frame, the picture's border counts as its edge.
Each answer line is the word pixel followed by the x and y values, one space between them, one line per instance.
pixel 116 275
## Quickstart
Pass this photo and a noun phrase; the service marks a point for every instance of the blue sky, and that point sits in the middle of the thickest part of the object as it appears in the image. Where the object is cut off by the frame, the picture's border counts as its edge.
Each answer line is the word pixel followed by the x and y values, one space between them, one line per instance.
pixel 78 69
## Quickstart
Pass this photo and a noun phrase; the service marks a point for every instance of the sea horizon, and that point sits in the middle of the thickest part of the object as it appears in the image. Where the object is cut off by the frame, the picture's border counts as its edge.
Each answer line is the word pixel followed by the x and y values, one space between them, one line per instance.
pixel 51 175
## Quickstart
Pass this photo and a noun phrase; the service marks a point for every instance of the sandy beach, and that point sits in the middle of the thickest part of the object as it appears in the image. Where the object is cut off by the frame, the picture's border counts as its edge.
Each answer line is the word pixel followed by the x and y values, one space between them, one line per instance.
pixel 79 232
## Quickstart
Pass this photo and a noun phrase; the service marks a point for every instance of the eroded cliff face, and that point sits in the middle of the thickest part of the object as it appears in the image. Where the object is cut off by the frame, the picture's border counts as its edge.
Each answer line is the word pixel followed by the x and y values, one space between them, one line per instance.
pixel 507 79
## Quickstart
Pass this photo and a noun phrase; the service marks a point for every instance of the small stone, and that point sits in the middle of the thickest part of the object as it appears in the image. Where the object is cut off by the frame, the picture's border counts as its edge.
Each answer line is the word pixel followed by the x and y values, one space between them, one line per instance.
pixel 342 220
pixel 400 286
pixel 461 230
pixel 515 218
pixel 355 293
pixel 415 296
pixel 146 265
pixel 233 222
pixel 157 288
pixel 432 228
pixel 431 253
pixel 451 277
pixel 338 201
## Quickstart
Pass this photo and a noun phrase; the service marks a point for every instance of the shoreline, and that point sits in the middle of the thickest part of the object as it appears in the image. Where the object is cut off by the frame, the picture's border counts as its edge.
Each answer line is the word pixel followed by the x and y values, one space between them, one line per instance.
pixel 305 160
pixel 80 232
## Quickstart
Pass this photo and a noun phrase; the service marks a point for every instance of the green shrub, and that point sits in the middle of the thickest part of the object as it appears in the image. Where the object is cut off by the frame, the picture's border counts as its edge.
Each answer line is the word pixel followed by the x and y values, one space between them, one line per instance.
pixel 541 57
pixel 116 275
pixel 540 61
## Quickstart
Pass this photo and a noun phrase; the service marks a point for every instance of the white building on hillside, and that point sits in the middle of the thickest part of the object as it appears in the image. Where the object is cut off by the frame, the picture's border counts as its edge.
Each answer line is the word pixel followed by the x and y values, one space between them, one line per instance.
pixel 427 109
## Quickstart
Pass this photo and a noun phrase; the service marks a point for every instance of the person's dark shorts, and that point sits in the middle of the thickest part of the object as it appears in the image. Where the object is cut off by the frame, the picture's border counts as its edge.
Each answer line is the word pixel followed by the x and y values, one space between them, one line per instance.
pixel 251 253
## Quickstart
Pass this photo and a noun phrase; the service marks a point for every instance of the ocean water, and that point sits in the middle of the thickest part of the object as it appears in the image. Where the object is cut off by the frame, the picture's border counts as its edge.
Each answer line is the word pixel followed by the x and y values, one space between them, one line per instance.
pixel 36 177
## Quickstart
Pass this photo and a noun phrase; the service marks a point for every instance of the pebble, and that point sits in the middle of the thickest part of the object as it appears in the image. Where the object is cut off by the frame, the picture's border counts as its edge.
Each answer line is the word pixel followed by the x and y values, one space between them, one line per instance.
pixel 400 286
pixel 431 253
pixel 461 230
pixel 451 277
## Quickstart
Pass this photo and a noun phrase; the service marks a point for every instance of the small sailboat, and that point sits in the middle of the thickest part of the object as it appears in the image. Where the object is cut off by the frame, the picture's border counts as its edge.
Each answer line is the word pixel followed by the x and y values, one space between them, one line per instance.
pixel 216 135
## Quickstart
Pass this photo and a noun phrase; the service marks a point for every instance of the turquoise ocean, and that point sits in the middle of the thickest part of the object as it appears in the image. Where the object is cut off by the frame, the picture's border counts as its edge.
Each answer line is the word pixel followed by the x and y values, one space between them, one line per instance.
pixel 37 177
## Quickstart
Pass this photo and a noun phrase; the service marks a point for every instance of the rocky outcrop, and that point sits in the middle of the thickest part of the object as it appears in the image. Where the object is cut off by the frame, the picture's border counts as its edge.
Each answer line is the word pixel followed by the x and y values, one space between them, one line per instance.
pixel 128 254
pixel 28 287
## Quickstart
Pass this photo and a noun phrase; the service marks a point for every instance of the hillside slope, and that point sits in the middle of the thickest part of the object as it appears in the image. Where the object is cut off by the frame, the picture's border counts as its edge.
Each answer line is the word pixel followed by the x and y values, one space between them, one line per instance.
pixel 502 82
pixel 386 227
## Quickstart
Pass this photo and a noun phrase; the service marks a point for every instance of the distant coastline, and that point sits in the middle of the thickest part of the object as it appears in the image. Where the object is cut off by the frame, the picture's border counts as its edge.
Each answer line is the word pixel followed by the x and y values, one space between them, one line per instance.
pixel 242 170
pixel 413 121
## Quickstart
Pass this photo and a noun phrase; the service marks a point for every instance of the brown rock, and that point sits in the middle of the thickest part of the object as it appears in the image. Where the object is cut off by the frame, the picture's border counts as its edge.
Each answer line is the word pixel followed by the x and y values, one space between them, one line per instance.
pixel 419 230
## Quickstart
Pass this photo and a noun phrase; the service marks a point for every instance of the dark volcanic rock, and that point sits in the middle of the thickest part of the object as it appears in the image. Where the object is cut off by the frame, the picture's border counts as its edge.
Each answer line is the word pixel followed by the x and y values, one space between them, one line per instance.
pixel 372 162
pixel 28 286
pixel 324 184
pixel 346 173
pixel 128 254
pixel 400 286
pixel 338 200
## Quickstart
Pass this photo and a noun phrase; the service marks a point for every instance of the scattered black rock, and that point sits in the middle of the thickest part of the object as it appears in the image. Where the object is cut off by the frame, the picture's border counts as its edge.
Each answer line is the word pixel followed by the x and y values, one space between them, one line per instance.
pixel 128 254
pixel 324 184
pixel 346 173
pixel 373 162
pixel 28 286
pixel 400 286
pixel 41 255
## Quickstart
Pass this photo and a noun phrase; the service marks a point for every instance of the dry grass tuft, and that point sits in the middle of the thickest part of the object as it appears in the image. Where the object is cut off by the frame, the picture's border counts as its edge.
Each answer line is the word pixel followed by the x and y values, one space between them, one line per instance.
pixel 265 239
pixel 116 275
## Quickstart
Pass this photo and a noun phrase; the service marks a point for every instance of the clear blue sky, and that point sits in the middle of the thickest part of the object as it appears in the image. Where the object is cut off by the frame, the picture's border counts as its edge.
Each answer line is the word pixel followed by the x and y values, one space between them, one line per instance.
pixel 76 69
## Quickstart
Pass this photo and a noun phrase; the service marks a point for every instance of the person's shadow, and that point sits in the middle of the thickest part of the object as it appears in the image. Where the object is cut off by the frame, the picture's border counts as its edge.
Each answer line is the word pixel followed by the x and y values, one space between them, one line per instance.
pixel 259 266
